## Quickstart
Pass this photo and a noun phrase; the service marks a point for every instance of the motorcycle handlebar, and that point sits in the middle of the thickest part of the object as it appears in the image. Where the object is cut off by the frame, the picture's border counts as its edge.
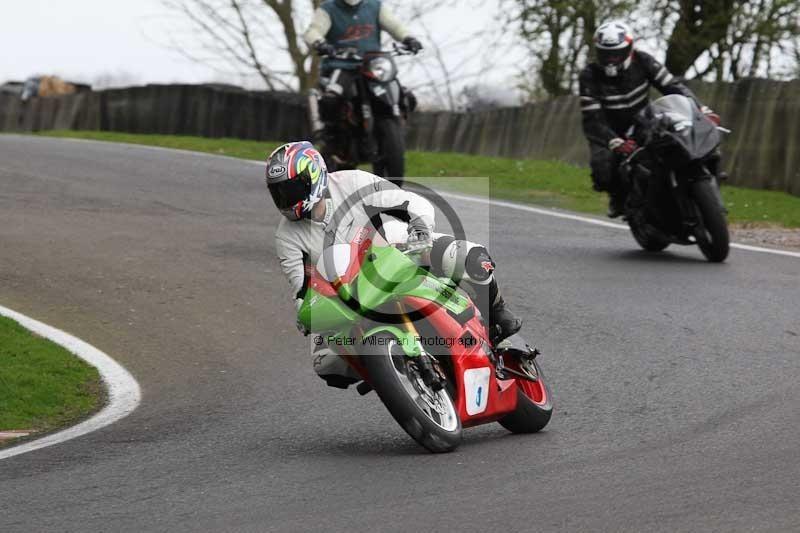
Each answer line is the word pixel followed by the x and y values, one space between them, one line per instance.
pixel 355 55
pixel 628 160
pixel 409 249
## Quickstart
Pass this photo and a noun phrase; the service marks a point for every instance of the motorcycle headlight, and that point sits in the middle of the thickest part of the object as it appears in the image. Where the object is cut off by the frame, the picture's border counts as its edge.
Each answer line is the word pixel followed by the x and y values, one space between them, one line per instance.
pixel 382 69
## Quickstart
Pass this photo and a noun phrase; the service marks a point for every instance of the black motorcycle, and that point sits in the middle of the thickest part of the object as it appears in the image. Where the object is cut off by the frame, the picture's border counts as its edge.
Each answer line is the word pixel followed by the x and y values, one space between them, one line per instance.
pixel 364 122
pixel 672 180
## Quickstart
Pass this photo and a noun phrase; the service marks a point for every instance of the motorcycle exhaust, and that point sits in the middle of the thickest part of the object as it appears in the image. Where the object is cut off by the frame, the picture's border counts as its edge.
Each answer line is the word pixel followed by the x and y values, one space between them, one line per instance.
pixel 313 111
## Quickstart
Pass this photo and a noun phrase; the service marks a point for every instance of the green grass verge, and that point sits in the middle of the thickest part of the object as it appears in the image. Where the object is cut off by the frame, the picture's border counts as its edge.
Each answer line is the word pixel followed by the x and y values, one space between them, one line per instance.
pixel 548 183
pixel 42 386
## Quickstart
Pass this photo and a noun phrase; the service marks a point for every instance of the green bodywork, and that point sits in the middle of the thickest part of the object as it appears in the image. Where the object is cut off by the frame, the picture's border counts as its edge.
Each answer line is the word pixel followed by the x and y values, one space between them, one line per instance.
pixel 387 275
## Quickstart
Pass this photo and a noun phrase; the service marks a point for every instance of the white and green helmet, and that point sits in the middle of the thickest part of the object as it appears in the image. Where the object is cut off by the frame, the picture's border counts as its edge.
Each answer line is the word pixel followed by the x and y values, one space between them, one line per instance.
pixel 297 179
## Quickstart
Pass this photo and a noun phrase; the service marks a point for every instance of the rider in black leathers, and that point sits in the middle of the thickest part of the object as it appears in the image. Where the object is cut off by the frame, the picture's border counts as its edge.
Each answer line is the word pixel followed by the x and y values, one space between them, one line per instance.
pixel 613 90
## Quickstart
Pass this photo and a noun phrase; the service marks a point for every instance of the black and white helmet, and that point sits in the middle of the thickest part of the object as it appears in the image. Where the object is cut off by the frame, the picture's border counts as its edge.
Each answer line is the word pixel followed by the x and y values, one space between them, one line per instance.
pixel 613 44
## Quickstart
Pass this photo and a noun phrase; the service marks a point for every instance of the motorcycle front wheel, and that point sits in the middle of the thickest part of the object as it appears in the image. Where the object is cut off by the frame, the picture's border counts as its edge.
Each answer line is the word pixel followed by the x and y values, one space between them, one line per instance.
pixel 391 163
pixel 712 231
pixel 428 416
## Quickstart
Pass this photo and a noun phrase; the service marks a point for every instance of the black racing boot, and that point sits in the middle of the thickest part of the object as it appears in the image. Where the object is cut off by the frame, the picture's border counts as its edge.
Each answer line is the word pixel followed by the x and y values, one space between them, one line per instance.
pixel 616 204
pixel 501 321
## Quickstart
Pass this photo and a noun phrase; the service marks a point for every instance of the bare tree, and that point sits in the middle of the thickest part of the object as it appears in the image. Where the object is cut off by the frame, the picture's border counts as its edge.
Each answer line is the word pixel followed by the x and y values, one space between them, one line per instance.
pixel 699 25
pixel 726 39
pixel 558 35
pixel 452 60
pixel 709 39
pixel 262 37
pixel 759 41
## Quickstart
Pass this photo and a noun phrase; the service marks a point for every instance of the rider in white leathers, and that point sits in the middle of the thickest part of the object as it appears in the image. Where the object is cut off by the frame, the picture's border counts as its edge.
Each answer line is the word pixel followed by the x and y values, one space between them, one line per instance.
pixel 322 209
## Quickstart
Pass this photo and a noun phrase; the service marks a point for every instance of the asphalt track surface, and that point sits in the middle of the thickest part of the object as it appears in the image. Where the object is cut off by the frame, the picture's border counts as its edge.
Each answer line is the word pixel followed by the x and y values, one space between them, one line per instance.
pixel 675 381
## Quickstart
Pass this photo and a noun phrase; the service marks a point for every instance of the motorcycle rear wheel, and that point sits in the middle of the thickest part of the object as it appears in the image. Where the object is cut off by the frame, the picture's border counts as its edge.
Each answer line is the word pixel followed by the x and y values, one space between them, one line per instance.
pixel 534 401
pixel 712 232
pixel 428 416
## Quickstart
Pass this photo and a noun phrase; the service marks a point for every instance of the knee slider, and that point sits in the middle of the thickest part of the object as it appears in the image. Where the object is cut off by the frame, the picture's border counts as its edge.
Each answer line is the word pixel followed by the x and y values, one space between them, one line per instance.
pixel 461 260
pixel 479 265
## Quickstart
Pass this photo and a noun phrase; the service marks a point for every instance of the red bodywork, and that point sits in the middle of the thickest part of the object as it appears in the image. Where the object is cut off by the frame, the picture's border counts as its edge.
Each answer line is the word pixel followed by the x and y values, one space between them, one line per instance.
pixel 501 394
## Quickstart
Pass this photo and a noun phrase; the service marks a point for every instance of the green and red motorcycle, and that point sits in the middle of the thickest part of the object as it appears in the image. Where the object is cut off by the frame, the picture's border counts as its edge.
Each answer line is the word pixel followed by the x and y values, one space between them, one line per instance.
pixel 421 344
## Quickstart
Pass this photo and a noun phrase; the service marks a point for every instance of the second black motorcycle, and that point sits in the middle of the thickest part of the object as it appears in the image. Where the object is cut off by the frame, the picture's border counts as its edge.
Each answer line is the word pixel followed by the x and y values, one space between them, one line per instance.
pixel 673 179
pixel 362 119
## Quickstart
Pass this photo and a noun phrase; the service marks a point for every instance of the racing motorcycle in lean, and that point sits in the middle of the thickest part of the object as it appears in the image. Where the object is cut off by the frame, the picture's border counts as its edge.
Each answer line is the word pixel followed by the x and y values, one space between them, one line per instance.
pixel 421 344
pixel 673 179
pixel 367 126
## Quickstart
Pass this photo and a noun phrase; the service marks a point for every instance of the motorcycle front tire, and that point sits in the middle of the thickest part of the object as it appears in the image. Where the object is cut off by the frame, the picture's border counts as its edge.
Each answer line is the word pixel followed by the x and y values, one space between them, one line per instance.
pixel 387 365
pixel 391 163
pixel 712 233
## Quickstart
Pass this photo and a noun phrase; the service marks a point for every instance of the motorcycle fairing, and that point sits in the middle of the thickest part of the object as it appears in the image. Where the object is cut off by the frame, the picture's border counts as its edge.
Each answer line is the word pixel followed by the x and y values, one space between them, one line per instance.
pixel 340 295
pixel 501 398
pixel 377 276
pixel 678 121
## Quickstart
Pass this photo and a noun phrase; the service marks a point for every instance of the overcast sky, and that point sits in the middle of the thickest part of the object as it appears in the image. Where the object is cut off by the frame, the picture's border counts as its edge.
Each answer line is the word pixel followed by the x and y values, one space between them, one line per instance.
pixel 87 38
pixel 83 40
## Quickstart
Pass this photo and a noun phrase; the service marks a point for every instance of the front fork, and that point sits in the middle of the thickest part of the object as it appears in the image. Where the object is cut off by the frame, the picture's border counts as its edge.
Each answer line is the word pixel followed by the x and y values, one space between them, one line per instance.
pixel 683 196
pixel 430 376
pixel 686 206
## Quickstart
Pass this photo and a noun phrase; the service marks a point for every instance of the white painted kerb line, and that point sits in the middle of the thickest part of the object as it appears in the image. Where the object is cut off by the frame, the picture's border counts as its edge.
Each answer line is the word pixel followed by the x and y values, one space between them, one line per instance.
pixel 576 218
pixel 595 221
pixel 466 198
pixel 124 393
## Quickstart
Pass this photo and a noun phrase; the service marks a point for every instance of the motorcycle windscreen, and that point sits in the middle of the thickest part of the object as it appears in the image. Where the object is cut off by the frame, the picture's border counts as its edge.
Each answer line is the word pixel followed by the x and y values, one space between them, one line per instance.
pixel 687 125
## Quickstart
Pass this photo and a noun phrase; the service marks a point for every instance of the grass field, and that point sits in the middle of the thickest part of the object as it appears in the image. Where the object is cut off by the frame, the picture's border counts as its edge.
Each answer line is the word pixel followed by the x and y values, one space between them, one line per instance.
pixel 42 386
pixel 547 183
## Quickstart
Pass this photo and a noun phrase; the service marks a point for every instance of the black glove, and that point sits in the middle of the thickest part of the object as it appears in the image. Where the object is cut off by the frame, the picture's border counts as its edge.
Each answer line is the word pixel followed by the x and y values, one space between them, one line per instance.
pixel 711 115
pixel 413 45
pixel 324 48
pixel 624 147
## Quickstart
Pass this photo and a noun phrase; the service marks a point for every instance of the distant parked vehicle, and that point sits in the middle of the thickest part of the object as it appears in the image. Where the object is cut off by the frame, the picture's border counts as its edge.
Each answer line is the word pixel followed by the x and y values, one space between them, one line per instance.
pixel 12 87
pixel 348 129
pixel 673 179
pixel 48 86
